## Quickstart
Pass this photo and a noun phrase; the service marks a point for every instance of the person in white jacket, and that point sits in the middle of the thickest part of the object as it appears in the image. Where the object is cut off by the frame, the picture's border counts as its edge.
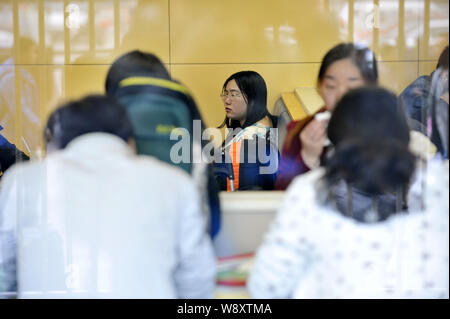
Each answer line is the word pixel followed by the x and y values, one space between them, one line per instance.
pixel 325 245
pixel 95 220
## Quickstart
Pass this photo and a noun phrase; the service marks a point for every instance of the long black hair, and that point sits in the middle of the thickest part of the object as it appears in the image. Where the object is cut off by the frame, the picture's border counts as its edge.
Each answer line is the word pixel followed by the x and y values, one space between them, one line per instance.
pixel 254 90
pixel 370 135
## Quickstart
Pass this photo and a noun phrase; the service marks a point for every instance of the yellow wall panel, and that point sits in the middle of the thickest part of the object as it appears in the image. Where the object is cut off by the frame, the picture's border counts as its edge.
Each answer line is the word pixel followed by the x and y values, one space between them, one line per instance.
pixel 100 39
pixel 434 28
pixel 390 28
pixel 22 104
pixel 144 25
pixel 235 31
pixel 398 30
pixel 70 82
pixel 426 68
pixel 84 79
pixel 397 75
pixel 91 32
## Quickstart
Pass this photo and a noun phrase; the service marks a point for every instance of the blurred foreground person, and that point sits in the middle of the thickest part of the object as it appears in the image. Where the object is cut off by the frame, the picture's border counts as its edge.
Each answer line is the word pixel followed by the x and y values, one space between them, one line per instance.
pixel 250 148
pixel 94 220
pixel 159 109
pixel 322 245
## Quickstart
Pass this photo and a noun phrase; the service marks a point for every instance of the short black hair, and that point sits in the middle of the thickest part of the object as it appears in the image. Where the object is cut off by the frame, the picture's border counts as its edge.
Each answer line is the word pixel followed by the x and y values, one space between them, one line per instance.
pixel 254 90
pixel 134 63
pixel 361 56
pixel 370 134
pixel 93 113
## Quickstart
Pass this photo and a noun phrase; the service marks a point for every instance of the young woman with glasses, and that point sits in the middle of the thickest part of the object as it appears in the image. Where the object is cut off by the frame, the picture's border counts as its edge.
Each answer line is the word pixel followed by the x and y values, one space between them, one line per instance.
pixel 249 152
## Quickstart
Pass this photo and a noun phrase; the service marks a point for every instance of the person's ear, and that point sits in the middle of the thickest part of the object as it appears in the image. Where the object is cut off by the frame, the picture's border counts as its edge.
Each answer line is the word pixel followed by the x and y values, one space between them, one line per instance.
pixel 48 135
pixel 49 141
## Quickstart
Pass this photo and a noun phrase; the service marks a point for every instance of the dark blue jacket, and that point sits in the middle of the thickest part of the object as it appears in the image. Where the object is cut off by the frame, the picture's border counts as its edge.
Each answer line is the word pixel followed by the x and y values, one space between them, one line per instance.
pixel 9 154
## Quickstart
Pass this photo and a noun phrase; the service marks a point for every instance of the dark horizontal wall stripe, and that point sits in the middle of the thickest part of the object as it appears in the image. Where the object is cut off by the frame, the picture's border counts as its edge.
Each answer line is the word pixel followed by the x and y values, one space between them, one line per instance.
pixel 220 63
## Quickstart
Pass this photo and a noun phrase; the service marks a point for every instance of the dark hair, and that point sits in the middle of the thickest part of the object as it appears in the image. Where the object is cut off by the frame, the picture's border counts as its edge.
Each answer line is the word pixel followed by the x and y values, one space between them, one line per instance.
pixel 254 90
pixel 93 113
pixel 134 63
pixel 361 56
pixel 371 139
pixel 443 59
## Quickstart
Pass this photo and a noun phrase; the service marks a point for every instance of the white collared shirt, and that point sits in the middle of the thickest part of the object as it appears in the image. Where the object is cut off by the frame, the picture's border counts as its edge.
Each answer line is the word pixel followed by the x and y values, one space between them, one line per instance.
pixel 97 221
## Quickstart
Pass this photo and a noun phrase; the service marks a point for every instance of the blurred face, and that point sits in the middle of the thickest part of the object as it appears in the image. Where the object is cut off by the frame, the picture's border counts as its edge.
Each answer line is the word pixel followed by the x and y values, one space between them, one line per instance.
pixel 235 104
pixel 340 77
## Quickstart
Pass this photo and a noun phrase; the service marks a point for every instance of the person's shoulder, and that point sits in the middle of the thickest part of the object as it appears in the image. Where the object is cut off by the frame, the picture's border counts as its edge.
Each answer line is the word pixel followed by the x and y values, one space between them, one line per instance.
pixel 303 188
pixel 160 169
pixel 4 141
pixel 292 124
pixel 292 130
pixel 307 180
pixel 302 203
pixel 23 171
pixel 422 81
pixel 253 133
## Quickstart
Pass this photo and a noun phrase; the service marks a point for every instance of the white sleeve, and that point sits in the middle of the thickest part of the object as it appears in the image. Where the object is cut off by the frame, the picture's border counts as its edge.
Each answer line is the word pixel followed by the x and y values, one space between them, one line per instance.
pixel 8 214
pixel 195 273
pixel 284 257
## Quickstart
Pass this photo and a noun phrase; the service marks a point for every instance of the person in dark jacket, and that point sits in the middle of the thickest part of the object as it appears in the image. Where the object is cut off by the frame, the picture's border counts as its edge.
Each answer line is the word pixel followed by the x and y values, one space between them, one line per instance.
pixel 158 105
pixel 415 98
pixel 9 154
pixel 437 110
pixel 250 148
